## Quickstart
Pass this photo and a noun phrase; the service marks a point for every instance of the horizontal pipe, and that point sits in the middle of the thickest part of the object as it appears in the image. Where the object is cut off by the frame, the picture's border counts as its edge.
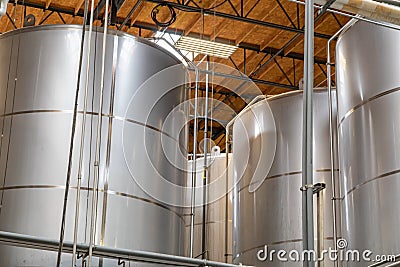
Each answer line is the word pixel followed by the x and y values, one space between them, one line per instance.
pixel 368 8
pixel 27 241
pixel 358 17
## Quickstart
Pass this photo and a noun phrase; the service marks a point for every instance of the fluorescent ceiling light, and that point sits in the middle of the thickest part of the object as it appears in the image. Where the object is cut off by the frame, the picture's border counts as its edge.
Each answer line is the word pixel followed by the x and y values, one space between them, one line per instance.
pixel 205 47
pixel 168 42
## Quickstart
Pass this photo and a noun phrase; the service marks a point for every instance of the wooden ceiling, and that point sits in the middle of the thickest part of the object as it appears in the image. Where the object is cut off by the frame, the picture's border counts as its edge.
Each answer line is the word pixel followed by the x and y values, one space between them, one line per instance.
pixel 267 32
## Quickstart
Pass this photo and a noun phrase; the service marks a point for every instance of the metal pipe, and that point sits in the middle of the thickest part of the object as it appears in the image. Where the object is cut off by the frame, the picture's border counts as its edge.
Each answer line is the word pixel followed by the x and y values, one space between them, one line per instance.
pixel 108 150
pixel 226 196
pixel 205 148
pixel 358 17
pixel 368 8
pixel 194 165
pixel 320 226
pixel 83 131
pixel 98 141
pixel 307 152
pixel 33 242
pixel 331 136
pixel 71 146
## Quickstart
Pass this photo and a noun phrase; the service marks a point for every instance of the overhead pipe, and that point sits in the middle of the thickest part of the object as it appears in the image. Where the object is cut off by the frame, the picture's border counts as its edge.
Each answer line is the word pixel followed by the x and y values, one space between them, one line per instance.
pixel 32 242
pixel 368 8
pixel 358 17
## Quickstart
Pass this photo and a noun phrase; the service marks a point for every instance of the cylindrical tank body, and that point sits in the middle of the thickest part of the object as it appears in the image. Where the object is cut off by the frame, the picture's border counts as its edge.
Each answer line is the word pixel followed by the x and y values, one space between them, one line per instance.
pixel 218 223
pixel 272 215
pixel 38 79
pixel 368 81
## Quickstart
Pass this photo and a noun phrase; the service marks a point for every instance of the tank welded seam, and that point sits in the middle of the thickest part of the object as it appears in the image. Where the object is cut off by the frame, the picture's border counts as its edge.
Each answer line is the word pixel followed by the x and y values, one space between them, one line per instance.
pixel 111 32
pixel 110 192
pixel 23 112
pixel 287 174
pixel 275 243
pixel 210 222
pixel 351 111
pixel 371 180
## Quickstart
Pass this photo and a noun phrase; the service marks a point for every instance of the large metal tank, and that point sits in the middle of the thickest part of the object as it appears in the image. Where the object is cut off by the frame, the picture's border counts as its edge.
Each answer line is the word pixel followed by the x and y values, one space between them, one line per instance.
pixel 38 77
pixel 272 215
pixel 218 238
pixel 368 82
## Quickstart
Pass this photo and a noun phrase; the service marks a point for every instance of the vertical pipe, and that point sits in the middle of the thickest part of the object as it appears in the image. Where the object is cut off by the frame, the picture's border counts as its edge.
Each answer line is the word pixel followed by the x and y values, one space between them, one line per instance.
pixel 71 146
pixel 331 148
pixel 307 157
pixel 194 165
pixel 331 136
pixel 205 171
pixel 98 141
pixel 226 191
pixel 82 142
pixel 108 151
pixel 320 226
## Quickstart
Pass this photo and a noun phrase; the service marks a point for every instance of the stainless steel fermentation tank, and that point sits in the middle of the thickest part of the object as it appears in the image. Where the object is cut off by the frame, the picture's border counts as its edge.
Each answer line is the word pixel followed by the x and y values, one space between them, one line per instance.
pixel 272 215
pixel 368 84
pixel 38 79
pixel 218 223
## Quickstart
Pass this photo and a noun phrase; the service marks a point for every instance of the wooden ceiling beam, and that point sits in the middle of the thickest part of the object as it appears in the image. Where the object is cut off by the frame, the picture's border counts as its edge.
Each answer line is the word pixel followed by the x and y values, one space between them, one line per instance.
pixel 298 42
pixel 78 6
pixel 244 34
pixel 48 2
pixel 8 20
pixel 299 66
pixel 135 15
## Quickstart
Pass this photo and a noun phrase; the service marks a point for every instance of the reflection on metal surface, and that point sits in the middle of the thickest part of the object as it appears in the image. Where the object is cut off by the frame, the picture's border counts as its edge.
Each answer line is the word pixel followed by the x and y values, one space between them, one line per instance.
pixel 272 214
pixel 38 151
pixel 218 243
pixel 348 113
pixel 110 192
pixel 368 84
